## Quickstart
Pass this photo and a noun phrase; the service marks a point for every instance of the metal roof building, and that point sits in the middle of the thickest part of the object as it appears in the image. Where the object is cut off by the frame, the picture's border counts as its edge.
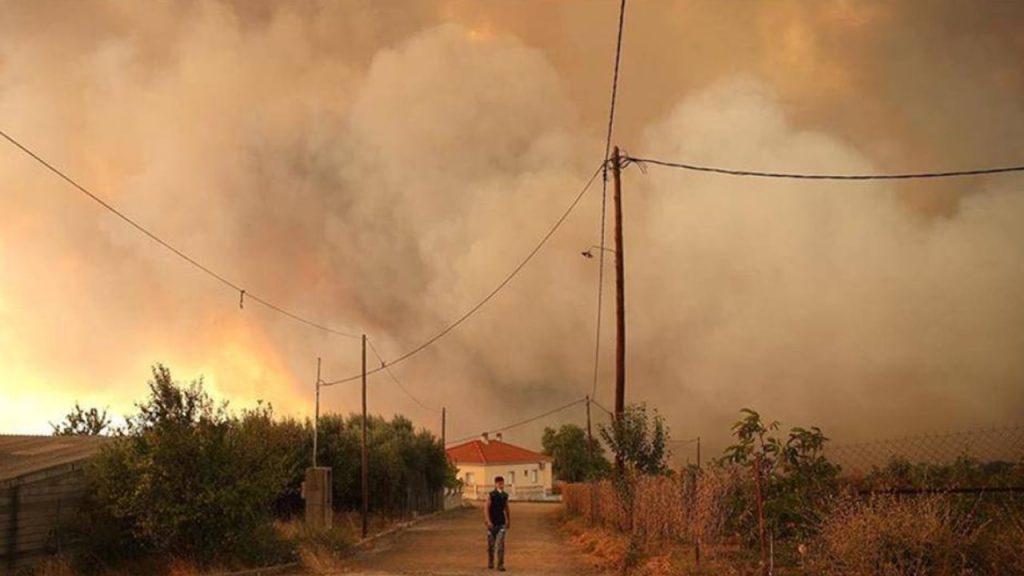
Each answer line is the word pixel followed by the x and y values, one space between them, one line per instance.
pixel 41 485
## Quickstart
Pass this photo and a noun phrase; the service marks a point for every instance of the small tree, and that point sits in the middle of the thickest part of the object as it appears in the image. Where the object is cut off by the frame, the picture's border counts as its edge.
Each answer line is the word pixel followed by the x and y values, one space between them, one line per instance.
pixel 188 478
pixel 82 422
pixel 575 459
pixel 639 439
pixel 796 476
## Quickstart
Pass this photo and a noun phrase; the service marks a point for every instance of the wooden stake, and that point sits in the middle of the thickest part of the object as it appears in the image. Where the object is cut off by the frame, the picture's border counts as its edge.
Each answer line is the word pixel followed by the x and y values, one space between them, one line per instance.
pixel 760 513
pixel 591 483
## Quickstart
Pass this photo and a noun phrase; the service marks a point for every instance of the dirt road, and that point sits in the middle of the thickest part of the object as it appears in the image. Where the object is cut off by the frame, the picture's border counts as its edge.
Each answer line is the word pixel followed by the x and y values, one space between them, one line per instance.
pixel 455 544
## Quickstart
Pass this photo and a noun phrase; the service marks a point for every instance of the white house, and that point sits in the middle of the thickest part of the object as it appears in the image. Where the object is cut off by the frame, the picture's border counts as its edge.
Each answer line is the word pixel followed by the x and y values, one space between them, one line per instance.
pixel 527 473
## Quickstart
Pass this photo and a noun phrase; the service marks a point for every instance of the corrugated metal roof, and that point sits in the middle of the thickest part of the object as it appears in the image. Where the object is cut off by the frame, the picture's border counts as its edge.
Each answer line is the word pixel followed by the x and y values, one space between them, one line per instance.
pixel 23 455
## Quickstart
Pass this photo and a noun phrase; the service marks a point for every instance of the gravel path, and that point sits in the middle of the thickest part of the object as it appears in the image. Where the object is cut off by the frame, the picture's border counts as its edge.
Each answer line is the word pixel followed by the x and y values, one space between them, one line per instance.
pixel 455 544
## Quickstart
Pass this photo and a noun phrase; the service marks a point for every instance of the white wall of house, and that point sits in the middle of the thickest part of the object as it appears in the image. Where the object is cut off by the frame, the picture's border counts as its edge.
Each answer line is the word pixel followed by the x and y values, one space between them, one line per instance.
pixel 523 480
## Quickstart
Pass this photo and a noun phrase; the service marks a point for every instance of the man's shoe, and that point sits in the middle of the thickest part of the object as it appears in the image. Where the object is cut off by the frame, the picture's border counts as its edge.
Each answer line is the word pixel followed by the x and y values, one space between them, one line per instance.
pixel 501 568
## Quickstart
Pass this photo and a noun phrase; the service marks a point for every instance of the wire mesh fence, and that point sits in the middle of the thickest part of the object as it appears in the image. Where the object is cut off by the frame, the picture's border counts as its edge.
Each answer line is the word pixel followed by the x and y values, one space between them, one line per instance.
pixel 1003 444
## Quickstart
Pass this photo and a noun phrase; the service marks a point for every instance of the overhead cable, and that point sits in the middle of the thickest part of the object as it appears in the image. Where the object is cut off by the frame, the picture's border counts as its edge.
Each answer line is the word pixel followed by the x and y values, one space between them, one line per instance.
pixel 243 293
pixel 820 176
pixel 524 422
pixel 508 278
pixel 396 380
pixel 604 197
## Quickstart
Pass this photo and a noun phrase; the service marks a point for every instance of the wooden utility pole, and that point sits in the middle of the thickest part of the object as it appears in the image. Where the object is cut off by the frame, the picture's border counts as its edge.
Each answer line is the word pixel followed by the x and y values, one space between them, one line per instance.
pixel 620 301
pixel 316 412
pixel 444 424
pixel 620 292
pixel 365 467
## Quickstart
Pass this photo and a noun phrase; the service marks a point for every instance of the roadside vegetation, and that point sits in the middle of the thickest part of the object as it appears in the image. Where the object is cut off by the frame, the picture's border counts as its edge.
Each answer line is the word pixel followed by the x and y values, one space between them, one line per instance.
pixel 774 500
pixel 575 458
pixel 188 484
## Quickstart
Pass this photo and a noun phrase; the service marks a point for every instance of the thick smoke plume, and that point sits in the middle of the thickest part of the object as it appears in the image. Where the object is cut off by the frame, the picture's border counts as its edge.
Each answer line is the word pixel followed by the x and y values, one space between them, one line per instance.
pixel 381 166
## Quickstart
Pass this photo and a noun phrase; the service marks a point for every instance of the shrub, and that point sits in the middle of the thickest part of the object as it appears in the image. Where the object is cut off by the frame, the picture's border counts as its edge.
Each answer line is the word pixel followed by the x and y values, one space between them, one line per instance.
pixel 188 479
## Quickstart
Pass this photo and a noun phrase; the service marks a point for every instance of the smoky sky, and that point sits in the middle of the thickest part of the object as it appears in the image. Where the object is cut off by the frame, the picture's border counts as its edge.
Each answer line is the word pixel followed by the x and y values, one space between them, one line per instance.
pixel 380 166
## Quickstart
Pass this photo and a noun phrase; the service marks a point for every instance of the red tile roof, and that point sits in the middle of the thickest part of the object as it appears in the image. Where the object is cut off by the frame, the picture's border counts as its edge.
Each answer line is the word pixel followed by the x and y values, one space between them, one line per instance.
pixel 493 452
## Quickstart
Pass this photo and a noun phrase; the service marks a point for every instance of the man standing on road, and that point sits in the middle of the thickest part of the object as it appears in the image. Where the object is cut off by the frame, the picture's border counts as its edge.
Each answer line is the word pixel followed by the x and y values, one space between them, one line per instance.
pixel 498 519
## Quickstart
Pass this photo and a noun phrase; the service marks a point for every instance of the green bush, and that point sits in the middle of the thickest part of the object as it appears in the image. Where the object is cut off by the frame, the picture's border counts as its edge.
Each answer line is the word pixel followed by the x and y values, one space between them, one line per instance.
pixel 406 467
pixel 186 478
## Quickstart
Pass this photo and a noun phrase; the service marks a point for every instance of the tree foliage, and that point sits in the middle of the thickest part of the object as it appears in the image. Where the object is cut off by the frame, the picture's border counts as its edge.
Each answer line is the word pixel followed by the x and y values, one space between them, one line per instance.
pixel 406 467
pixel 797 479
pixel 639 439
pixel 188 478
pixel 82 422
pixel 575 459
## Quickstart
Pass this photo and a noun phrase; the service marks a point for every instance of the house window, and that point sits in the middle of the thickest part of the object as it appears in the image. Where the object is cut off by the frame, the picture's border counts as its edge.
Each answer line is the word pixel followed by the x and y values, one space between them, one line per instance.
pixel 534 474
pixel 511 477
pixel 469 478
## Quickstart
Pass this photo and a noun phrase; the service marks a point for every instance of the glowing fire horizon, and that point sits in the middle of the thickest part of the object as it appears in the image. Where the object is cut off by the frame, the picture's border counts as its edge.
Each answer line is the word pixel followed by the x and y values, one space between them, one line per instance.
pixel 382 165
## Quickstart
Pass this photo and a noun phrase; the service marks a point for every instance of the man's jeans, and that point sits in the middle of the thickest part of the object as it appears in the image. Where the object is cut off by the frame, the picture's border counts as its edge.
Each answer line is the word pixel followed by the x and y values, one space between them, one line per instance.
pixel 496 539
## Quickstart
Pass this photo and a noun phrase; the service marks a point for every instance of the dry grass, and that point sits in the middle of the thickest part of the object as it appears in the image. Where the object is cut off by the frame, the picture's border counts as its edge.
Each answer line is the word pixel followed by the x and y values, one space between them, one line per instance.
pixel 668 515
pixel 891 536
pixel 606 547
pixel 674 508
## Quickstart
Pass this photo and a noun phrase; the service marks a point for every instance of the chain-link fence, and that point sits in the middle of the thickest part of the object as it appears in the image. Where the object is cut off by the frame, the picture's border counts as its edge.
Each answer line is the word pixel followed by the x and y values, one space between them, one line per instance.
pixel 1005 444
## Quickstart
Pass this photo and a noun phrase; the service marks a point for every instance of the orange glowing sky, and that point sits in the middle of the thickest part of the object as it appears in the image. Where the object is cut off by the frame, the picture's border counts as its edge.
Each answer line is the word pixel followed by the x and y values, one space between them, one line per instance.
pixel 381 165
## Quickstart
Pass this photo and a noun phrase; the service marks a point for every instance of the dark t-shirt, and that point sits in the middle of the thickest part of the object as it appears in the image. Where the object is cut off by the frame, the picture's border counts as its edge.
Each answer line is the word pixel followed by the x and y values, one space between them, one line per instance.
pixel 496 508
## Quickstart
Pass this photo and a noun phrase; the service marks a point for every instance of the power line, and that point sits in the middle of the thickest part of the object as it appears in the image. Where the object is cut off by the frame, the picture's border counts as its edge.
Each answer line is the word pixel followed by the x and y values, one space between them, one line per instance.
pixel 595 403
pixel 800 176
pixel 524 422
pixel 243 293
pixel 615 84
pixel 490 295
pixel 683 442
pixel 604 197
pixel 395 378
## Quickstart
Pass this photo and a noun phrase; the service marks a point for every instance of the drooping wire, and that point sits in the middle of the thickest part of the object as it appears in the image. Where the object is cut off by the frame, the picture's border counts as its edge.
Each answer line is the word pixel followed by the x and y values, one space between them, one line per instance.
pixel 490 295
pixel 607 411
pixel 396 380
pixel 243 293
pixel 526 421
pixel 821 176
pixel 604 197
